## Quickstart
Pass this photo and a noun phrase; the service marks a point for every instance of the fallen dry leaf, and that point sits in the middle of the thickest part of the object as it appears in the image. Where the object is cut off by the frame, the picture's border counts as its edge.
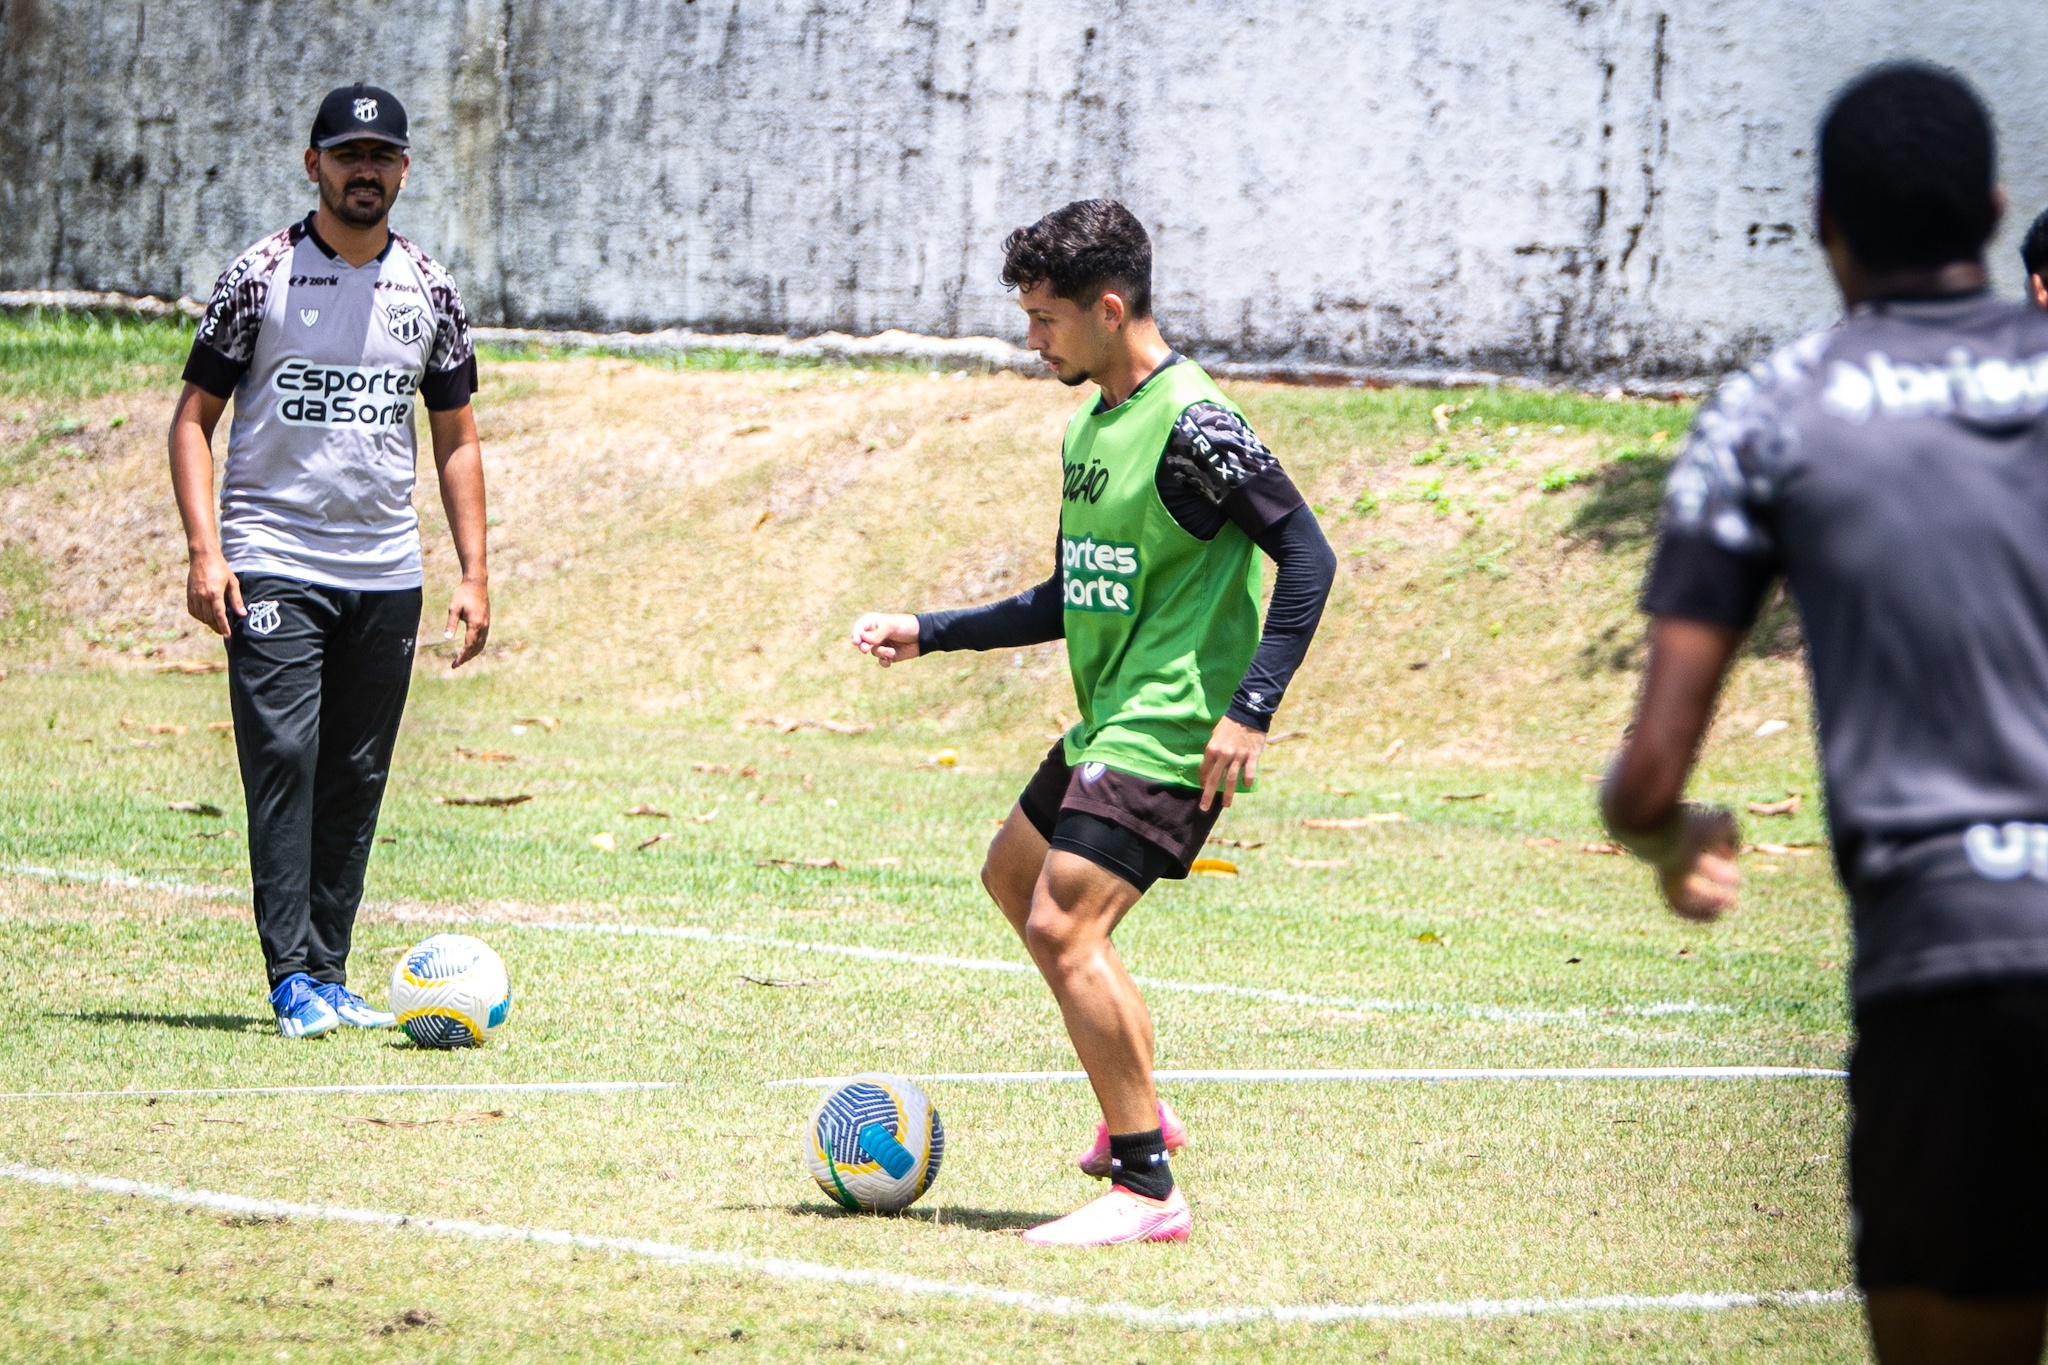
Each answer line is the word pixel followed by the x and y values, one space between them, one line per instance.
pixel 1319 863
pixel 649 811
pixel 1466 796
pixel 544 722
pixel 468 1116
pixel 1772 727
pixel 1781 850
pixel 1385 817
pixel 494 801
pixel 791 724
pixel 824 864
pixel 1785 807
pixel 603 839
pixel 1237 843
pixel 761 520
pixel 167 729
pixel 1213 867
pixel 774 981
pixel 1542 841
pixel 706 818
pixel 1609 850
pixel 486 755
pixel 221 727
pixel 1335 791
pixel 210 811
pixel 1429 936
pixel 653 840
pixel 711 767
pixel 215 834
pixel 193 666
pixel 1396 747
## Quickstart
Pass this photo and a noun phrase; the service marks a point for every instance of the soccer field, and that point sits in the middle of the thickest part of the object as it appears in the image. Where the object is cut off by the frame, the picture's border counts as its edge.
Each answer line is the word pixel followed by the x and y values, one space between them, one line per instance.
pixel 676 551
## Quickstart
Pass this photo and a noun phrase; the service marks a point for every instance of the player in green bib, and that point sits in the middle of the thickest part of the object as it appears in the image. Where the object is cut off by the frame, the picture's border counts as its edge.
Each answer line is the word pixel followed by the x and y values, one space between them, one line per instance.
pixel 1165 497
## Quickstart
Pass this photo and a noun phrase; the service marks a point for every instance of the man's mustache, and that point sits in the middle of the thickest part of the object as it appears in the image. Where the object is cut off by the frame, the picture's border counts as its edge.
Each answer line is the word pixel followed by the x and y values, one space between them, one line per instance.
pixel 355 185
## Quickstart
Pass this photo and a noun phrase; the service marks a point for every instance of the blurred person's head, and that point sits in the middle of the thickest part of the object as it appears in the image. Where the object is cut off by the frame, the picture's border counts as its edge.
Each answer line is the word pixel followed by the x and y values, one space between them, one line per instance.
pixel 1908 182
pixel 1083 276
pixel 2034 255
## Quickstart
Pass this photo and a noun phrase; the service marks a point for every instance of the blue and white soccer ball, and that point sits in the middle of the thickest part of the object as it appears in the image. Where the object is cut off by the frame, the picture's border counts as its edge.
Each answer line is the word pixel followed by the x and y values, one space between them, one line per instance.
pixel 450 991
pixel 875 1143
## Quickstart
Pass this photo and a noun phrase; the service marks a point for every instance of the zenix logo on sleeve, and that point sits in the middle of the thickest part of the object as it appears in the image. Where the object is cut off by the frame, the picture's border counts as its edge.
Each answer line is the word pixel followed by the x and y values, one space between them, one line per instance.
pixel 313 395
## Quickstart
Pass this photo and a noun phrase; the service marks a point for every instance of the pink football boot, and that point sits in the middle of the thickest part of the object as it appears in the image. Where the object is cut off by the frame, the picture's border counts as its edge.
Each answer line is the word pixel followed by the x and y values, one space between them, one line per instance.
pixel 1117 1217
pixel 1095 1161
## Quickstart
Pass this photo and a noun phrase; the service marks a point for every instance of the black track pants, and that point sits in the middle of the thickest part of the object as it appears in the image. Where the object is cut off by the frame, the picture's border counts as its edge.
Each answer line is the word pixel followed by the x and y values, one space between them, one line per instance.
pixel 317 678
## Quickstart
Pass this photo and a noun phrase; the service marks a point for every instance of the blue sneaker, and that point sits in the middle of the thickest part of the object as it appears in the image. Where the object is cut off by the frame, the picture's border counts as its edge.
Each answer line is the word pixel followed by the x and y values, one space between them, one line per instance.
pixel 301 1013
pixel 353 1009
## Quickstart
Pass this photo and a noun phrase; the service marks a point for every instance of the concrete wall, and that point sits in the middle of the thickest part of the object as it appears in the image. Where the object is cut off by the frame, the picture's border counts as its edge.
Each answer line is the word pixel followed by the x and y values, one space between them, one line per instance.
pixel 1540 186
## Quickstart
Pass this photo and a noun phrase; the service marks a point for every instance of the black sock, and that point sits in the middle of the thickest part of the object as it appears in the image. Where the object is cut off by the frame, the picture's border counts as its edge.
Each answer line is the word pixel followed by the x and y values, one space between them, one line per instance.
pixel 1137 1161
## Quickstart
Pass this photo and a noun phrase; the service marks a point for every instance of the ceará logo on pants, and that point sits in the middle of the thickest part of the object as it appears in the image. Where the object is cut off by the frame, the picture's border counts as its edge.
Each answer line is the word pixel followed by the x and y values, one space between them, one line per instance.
pixel 1095 571
pixel 312 395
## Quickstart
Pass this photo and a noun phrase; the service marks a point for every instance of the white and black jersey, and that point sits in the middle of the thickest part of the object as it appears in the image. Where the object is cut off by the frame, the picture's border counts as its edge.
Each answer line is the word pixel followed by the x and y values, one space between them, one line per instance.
pixel 324 361
pixel 1894 471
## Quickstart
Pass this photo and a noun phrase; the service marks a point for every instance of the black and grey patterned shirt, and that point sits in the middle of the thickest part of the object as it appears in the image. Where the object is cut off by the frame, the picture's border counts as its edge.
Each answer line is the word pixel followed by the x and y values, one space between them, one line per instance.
pixel 324 360
pixel 1894 471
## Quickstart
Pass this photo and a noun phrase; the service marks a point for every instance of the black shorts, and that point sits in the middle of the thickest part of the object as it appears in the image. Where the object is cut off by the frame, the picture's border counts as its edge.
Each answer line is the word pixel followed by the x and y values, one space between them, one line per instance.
pixel 1948 1142
pixel 1139 829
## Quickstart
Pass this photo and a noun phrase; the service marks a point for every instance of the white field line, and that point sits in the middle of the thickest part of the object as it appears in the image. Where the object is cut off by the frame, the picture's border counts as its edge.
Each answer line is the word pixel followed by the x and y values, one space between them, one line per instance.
pixel 1364 1004
pixel 1376 1074
pixel 1507 1014
pixel 780 1268
pixel 1248 1076
pixel 397 1088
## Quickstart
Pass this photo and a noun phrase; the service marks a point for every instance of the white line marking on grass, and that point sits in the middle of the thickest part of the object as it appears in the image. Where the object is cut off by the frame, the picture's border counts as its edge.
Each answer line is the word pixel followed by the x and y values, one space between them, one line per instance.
pixel 1370 1074
pixel 1250 1076
pixel 1506 1014
pixel 422 1088
pixel 126 881
pixel 782 1268
pixel 1494 1013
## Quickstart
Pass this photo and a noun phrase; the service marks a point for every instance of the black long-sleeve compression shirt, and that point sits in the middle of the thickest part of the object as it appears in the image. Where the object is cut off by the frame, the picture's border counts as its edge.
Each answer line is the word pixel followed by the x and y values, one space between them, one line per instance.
pixel 1213 470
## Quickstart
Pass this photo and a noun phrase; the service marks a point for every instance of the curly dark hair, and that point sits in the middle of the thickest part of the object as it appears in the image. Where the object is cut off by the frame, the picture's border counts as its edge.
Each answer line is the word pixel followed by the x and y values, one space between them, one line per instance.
pixel 1908 167
pixel 2034 250
pixel 1084 250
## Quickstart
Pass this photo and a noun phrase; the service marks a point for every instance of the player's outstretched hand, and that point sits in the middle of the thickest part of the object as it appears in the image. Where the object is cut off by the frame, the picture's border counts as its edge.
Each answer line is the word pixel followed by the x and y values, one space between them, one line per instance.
pixel 1231 756
pixel 213 594
pixel 470 607
pixel 890 636
pixel 1700 884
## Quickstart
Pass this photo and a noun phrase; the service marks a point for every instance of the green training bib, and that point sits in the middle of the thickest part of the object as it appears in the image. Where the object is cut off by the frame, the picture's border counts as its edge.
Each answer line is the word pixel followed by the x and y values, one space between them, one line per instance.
pixel 1160 626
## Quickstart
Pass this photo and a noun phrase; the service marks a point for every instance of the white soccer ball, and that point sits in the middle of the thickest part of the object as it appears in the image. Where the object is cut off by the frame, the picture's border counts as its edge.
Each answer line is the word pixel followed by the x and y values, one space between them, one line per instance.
pixel 450 991
pixel 875 1143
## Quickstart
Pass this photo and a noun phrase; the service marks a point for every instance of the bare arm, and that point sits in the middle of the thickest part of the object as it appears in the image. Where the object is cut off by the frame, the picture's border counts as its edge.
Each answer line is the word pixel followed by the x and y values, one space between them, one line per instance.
pixel 1692 848
pixel 459 462
pixel 212 593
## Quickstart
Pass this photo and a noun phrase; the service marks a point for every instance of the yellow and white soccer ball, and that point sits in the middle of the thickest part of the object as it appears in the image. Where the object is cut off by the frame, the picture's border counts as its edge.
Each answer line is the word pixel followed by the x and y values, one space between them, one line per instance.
pixel 875 1143
pixel 450 991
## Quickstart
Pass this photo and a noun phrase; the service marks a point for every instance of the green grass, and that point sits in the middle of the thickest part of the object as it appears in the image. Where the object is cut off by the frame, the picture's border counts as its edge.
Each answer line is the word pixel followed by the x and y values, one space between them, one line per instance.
pixel 645 600
pixel 55 354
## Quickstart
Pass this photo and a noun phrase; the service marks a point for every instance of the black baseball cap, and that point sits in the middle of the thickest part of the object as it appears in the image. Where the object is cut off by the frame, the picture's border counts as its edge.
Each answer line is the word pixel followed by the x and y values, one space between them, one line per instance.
pixel 359 111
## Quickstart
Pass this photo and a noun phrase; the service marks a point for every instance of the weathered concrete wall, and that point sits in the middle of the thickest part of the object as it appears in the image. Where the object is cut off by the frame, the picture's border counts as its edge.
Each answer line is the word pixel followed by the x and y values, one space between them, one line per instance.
pixel 1592 186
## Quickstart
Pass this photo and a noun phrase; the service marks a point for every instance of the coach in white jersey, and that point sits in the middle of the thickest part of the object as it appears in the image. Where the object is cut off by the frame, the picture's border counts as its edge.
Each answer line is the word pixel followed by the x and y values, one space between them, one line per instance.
pixel 325 335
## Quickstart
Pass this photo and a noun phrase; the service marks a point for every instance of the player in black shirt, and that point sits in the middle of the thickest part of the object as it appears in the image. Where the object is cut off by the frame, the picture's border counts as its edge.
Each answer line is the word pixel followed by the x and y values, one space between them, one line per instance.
pixel 1893 471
